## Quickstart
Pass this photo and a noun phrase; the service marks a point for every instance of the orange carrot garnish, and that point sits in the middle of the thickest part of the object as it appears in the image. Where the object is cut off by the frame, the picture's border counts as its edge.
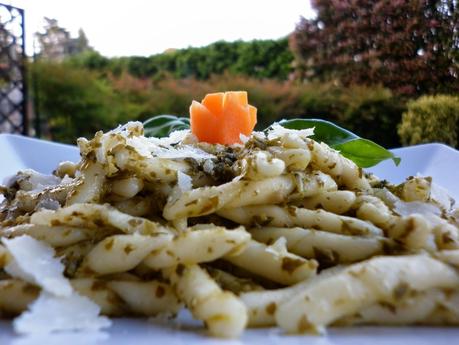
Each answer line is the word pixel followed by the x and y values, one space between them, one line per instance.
pixel 222 117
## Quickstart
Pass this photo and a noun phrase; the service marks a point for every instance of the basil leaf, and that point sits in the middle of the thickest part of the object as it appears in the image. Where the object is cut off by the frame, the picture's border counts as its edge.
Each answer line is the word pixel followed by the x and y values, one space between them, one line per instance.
pixel 362 152
pixel 365 153
pixel 163 125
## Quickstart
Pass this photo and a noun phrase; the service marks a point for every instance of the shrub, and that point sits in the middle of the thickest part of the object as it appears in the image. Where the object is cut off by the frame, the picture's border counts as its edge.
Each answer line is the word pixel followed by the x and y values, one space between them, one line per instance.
pixel 431 119
pixel 373 112
pixel 72 102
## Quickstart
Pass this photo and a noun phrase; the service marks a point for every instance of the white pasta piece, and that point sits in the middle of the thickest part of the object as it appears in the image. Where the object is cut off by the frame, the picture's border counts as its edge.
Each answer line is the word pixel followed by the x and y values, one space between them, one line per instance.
pixel 446 234
pixel 202 201
pixel 222 312
pixel 432 307
pixel 449 303
pixel 339 202
pixel 127 187
pixel 426 229
pixel 73 255
pixel 450 256
pixel 146 298
pixel 16 295
pixel 268 191
pixel 4 256
pixel 296 159
pixel 413 231
pixel 282 188
pixel 262 164
pixel 180 224
pixel 96 216
pixel 34 262
pixel 361 285
pixel 291 216
pixel 101 146
pixel 56 236
pixel 91 186
pixel 197 246
pixel 279 266
pixel 262 305
pixel 408 311
pixel 136 206
pixel 149 169
pixel 98 292
pixel 227 281
pixel 416 189
pixel 308 184
pixel 120 253
pixel 345 171
pixel 333 248
pixel 66 168
pixel 374 209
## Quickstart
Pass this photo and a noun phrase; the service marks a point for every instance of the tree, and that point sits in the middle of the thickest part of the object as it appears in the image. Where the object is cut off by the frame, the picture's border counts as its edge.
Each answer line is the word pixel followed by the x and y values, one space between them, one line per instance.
pixel 257 58
pixel 410 46
pixel 56 43
pixel 265 59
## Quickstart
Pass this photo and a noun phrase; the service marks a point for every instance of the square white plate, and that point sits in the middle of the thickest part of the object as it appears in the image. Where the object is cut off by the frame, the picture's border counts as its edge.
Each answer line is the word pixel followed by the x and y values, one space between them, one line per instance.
pixel 436 160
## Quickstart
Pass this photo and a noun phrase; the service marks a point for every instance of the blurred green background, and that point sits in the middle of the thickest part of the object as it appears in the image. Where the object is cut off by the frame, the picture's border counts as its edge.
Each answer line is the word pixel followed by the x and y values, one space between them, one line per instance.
pixel 387 70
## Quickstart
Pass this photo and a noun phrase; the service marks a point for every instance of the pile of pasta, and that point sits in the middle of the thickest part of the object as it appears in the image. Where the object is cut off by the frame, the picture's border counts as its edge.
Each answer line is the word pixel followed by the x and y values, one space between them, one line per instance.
pixel 278 230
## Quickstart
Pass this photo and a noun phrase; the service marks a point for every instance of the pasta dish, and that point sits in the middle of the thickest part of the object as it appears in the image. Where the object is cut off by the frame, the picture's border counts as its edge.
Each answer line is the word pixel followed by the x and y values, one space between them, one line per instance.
pixel 274 230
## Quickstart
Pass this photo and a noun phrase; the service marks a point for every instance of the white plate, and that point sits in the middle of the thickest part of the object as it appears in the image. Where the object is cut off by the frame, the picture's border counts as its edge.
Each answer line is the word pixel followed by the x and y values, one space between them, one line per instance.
pixel 436 160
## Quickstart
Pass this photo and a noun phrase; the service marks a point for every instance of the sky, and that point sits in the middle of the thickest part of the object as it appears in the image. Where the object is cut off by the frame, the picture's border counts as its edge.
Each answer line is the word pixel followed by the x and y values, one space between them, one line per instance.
pixel 142 27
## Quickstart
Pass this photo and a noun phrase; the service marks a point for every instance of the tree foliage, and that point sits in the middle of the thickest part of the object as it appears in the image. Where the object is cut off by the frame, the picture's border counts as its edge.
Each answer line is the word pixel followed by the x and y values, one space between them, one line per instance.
pixel 56 43
pixel 258 58
pixel 410 46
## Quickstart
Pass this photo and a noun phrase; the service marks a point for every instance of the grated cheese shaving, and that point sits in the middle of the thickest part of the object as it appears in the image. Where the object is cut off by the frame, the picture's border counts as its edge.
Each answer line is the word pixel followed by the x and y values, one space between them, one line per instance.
pixel 208 166
pixel 277 131
pixel 183 152
pixel 404 208
pixel 33 181
pixel 52 313
pixel 244 138
pixel 184 182
pixel 34 262
pixel 59 307
pixel 440 196
pixel 148 147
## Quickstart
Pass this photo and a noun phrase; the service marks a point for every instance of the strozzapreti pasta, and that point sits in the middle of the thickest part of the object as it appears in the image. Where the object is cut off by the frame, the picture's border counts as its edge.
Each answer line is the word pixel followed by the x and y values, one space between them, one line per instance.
pixel 279 230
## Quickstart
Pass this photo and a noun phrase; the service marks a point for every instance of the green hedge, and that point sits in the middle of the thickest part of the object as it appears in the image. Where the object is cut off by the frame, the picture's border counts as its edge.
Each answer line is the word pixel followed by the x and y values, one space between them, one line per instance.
pixel 257 58
pixel 431 119
pixel 72 102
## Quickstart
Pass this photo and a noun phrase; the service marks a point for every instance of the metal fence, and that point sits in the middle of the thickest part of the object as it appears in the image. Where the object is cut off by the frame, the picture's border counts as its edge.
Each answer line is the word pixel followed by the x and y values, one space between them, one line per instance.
pixel 13 78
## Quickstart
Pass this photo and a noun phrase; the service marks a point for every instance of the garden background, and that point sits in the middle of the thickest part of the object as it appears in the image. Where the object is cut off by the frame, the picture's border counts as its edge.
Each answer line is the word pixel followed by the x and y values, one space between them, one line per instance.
pixel 387 70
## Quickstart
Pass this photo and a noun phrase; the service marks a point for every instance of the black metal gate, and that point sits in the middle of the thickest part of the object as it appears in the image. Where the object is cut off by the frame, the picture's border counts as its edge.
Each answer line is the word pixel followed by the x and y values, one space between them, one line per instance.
pixel 13 79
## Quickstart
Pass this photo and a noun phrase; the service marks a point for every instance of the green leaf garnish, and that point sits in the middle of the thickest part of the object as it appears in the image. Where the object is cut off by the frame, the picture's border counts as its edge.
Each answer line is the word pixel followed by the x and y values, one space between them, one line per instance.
pixel 163 125
pixel 362 152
